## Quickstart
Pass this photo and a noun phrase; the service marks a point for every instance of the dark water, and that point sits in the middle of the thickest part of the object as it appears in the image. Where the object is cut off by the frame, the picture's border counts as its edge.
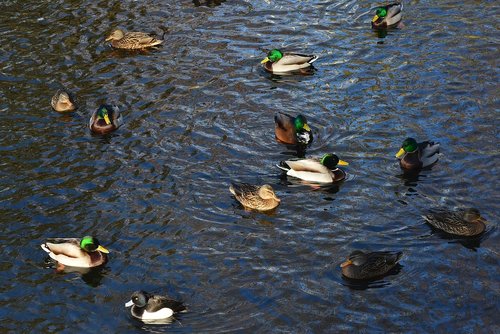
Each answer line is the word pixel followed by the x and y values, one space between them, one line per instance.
pixel 198 114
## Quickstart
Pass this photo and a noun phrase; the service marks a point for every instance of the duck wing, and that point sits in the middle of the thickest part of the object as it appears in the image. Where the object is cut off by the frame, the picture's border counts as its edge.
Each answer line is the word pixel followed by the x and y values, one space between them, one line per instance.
pixel 296 59
pixel 309 170
pixel 156 303
pixel 428 153
pixel 284 128
pixel 394 13
pixel 379 263
pixel 142 38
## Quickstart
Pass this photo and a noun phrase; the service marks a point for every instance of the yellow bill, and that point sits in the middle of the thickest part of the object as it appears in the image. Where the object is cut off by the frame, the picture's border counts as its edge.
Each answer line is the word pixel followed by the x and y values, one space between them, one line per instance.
pixel 102 249
pixel 375 18
pixel 108 38
pixel 306 127
pixel 346 263
pixel 400 153
pixel 106 119
pixel 343 163
pixel 265 60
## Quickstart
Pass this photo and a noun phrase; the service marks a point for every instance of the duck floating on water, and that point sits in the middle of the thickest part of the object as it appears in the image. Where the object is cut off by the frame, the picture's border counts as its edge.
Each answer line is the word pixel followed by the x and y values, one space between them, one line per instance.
pixel 322 170
pixel 362 266
pixel 387 16
pixel 86 252
pixel 62 101
pixel 279 62
pixel 106 119
pixel 462 222
pixel 414 156
pixel 132 40
pixel 292 130
pixel 261 198
pixel 146 306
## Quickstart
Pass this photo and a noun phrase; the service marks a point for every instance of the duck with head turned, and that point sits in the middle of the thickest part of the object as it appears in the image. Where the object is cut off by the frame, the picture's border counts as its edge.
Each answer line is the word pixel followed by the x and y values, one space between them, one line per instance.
pixel 62 101
pixel 279 62
pixel 363 266
pixel 324 170
pixel 292 130
pixel 86 252
pixel 463 222
pixel 387 16
pixel 106 119
pixel 146 306
pixel 132 40
pixel 261 198
pixel 414 156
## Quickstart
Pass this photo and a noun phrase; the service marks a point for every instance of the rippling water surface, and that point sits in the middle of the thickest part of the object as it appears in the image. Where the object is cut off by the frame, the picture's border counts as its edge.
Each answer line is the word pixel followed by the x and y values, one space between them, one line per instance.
pixel 199 114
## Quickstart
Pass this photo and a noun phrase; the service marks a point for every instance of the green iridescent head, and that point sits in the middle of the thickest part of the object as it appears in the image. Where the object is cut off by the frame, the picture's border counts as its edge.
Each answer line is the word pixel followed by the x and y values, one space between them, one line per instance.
pixel 381 12
pixel 91 244
pixel 273 56
pixel 103 113
pixel 331 161
pixel 300 123
pixel 409 145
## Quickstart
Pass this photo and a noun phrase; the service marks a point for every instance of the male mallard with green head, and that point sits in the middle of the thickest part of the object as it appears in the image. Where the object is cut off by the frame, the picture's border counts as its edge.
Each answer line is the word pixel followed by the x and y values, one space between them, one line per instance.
pixel 86 252
pixel 278 62
pixel 324 170
pixel 463 222
pixel 106 119
pixel 132 40
pixel 62 101
pixel 414 156
pixel 292 130
pixel 387 16
pixel 261 198
pixel 362 266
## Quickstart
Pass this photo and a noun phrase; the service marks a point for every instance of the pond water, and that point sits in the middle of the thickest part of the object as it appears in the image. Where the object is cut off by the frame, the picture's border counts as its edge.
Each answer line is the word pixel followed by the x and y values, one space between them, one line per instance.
pixel 198 115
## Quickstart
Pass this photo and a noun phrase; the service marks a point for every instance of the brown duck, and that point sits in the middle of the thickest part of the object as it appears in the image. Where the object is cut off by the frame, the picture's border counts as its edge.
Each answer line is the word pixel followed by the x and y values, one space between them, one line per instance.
pixel 261 198
pixel 132 40
pixel 463 222
pixel 360 265
pixel 105 119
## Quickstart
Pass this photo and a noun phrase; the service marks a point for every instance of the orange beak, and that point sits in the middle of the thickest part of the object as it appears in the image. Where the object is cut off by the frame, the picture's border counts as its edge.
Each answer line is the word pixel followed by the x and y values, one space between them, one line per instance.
pixel 346 263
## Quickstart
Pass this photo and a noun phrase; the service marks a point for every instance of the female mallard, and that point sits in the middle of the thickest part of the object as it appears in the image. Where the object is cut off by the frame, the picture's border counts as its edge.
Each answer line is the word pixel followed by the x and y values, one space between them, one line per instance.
pixel 132 40
pixel 276 61
pixel 387 16
pixel 292 130
pixel 62 102
pixel 361 265
pixel 463 222
pixel 74 252
pixel 324 170
pixel 413 156
pixel 260 198
pixel 147 306
pixel 105 119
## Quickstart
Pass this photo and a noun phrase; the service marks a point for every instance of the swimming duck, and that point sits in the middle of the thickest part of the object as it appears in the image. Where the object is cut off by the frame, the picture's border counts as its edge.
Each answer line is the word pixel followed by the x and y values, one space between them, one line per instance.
pixel 292 130
pixel 387 16
pixel 83 253
pixel 105 119
pixel 413 156
pixel 132 40
pixel 276 61
pixel 360 265
pixel 260 198
pixel 463 222
pixel 62 102
pixel 322 170
pixel 147 306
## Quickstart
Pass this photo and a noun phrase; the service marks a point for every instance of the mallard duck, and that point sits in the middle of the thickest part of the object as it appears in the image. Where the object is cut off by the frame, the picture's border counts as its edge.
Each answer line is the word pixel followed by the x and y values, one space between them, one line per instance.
pixel 105 119
pixel 132 40
pixel 387 16
pixel 413 156
pixel 147 306
pixel 276 61
pixel 73 252
pixel 361 265
pixel 463 222
pixel 260 198
pixel 62 102
pixel 292 130
pixel 322 170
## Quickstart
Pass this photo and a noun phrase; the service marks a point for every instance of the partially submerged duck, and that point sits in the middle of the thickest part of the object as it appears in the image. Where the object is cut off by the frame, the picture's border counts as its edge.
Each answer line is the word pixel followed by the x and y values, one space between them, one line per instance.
pixel 86 252
pixel 62 101
pixel 292 130
pixel 462 222
pixel 279 62
pixel 414 156
pixel 387 16
pixel 106 119
pixel 132 40
pixel 360 265
pixel 261 198
pixel 146 306
pixel 322 170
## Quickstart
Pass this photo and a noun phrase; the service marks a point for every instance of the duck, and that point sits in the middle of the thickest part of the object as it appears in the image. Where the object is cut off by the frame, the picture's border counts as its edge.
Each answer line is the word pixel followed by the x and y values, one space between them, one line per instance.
pixel 292 130
pixel 86 252
pixel 261 198
pixel 463 222
pixel 362 266
pixel 322 170
pixel 62 102
pixel 132 40
pixel 414 156
pixel 279 62
pixel 107 118
pixel 146 306
pixel 387 16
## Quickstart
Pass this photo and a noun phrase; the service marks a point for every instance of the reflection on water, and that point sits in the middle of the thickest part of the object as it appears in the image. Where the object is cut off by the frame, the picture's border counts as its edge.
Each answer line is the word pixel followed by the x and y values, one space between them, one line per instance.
pixel 91 276
pixel 375 283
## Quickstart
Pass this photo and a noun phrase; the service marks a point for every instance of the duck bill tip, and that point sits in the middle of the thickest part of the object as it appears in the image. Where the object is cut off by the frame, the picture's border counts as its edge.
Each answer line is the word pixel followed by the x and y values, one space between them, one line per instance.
pixel 129 303
pixel 102 249
pixel 343 163
pixel 306 127
pixel 400 153
pixel 265 60
pixel 375 18
pixel 345 264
